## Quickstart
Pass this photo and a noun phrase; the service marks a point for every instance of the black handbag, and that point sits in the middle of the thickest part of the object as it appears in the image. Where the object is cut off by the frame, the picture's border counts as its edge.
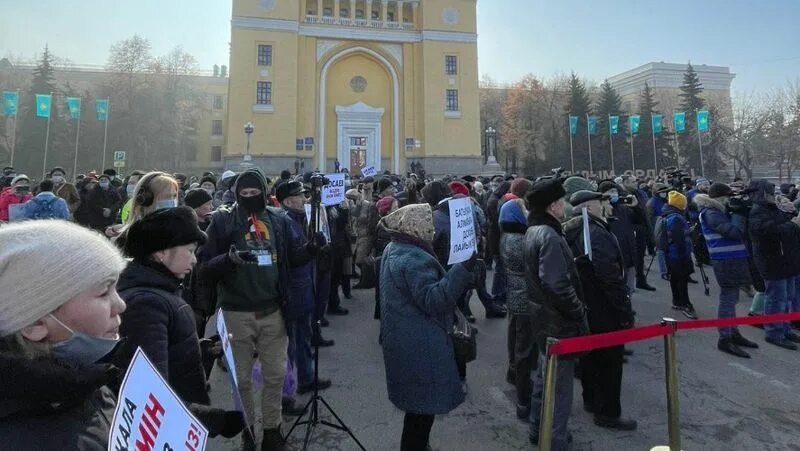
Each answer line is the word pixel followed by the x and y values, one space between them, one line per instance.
pixel 464 344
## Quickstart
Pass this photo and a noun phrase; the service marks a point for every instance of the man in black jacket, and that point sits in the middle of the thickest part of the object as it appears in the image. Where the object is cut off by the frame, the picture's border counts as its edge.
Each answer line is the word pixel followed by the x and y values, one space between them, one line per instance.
pixel 247 258
pixel 642 228
pixel 608 303
pixel 555 292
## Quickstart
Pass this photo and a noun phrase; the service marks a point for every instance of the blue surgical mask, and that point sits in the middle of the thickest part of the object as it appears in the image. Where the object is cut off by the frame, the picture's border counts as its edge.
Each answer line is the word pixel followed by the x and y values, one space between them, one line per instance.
pixel 614 198
pixel 168 203
pixel 81 348
pixel 104 185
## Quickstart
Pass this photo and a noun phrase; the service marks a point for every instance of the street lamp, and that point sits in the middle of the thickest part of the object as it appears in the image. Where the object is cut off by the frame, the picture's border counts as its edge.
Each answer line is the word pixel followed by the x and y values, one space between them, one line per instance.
pixel 248 130
pixel 491 145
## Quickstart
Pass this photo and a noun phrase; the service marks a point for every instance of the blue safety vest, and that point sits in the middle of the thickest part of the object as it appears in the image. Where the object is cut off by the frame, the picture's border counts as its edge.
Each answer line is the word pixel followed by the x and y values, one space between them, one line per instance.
pixel 720 248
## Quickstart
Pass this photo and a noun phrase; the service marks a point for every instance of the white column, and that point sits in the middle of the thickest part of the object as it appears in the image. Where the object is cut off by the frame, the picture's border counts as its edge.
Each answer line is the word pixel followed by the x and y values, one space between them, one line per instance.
pixel 399 14
pixel 368 12
pixel 336 9
pixel 414 6
pixel 353 10
pixel 384 10
pixel 319 10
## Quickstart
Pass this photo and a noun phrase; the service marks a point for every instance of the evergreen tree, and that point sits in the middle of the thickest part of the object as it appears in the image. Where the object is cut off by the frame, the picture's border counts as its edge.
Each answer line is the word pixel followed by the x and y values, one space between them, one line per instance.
pixel 691 102
pixel 610 104
pixel 643 144
pixel 33 129
pixel 578 105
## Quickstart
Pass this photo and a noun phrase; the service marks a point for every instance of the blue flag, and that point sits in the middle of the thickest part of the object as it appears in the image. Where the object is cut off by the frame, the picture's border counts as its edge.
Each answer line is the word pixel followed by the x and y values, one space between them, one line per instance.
pixel 43 105
pixel 680 122
pixel 573 125
pixel 613 124
pixel 634 124
pixel 657 119
pixel 101 105
pixel 10 100
pixel 74 105
pixel 702 120
pixel 592 125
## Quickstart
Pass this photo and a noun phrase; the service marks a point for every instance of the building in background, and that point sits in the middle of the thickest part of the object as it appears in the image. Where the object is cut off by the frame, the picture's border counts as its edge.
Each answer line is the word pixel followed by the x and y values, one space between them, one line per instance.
pixel 383 83
pixel 666 79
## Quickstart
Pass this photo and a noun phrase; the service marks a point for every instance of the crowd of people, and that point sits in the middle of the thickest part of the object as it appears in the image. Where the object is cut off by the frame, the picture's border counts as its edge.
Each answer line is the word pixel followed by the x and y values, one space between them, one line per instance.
pixel 157 254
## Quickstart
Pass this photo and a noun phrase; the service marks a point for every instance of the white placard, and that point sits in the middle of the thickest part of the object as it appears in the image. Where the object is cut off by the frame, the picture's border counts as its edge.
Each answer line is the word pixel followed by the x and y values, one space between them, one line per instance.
pixel 333 193
pixel 462 230
pixel 149 415
pixel 322 224
pixel 368 171
pixel 227 351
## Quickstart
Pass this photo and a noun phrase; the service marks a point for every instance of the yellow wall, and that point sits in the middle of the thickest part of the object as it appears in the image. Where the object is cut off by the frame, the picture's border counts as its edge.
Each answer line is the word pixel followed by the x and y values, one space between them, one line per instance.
pixel 432 15
pixel 282 10
pixel 204 140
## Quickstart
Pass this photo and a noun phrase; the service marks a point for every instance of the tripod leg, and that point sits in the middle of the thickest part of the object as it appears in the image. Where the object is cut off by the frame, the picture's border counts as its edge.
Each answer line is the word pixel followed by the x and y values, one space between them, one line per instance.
pixel 298 421
pixel 344 426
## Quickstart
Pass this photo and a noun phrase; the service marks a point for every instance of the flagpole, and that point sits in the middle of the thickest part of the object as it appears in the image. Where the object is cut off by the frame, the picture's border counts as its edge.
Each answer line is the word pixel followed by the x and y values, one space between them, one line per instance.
pixel 589 135
pixel 77 137
pixel 700 142
pixel 677 143
pixel 655 153
pixel 14 130
pixel 47 135
pixel 633 157
pixel 105 132
pixel 571 153
pixel 611 141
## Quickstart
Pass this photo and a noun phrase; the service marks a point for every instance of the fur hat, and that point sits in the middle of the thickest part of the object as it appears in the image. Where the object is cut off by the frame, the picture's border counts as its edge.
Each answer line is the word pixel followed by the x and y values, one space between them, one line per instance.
pixel 520 186
pixel 677 200
pixel 196 197
pixel 32 286
pixel 383 184
pixel 163 229
pixel 718 190
pixel 210 179
pixel 543 193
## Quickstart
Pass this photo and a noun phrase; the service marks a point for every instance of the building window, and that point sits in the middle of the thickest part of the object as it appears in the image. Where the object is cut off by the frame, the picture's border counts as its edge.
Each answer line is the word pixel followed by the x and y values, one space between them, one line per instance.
pixel 452 100
pixel 216 153
pixel 390 16
pixel 376 15
pixel 264 55
pixel 216 127
pixel 217 102
pixel 451 65
pixel 327 12
pixel 344 12
pixel 359 14
pixel 264 93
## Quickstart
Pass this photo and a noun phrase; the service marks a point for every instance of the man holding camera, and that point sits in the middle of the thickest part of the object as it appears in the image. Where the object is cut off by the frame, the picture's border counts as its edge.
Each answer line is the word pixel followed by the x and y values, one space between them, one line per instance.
pixel 247 259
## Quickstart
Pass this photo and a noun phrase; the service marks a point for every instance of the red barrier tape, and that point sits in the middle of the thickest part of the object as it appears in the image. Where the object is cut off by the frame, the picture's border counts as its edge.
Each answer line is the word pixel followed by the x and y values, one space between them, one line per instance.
pixel 598 341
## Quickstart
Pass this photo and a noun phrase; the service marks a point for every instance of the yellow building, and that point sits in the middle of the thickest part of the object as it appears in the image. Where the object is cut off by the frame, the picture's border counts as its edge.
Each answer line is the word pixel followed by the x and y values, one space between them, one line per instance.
pixel 380 83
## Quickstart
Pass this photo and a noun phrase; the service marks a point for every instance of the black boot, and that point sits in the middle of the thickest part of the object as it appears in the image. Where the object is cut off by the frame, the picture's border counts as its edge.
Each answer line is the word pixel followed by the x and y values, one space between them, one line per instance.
pixel 620 424
pixel 728 346
pixel 739 340
pixel 273 440
pixel 642 284
pixel 495 310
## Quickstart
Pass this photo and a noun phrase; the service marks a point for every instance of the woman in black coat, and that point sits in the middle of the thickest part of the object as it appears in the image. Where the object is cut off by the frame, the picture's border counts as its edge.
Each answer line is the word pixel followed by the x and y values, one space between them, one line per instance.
pixel 157 319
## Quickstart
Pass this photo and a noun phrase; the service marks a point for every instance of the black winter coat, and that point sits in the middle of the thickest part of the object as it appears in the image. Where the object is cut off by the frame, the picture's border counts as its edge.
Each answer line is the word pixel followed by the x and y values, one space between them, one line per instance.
pixel 602 277
pixel 45 405
pixel 623 228
pixel 159 321
pixel 493 218
pixel 776 242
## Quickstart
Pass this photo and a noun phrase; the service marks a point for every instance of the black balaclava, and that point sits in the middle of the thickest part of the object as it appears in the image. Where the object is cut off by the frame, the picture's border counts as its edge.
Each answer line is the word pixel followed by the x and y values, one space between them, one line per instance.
pixel 254 204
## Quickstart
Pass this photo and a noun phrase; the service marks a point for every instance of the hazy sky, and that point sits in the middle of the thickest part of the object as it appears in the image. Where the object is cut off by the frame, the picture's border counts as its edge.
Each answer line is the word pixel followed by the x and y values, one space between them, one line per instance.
pixel 757 39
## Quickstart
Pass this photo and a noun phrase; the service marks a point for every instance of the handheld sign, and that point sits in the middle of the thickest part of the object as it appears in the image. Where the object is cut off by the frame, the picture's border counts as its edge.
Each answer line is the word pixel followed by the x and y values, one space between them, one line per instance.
pixel 333 193
pixel 149 415
pixel 462 231
pixel 227 351
pixel 368 171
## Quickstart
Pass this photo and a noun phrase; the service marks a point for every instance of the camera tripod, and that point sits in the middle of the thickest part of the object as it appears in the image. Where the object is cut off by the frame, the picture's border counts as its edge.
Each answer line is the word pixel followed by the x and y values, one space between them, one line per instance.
pixel 312 407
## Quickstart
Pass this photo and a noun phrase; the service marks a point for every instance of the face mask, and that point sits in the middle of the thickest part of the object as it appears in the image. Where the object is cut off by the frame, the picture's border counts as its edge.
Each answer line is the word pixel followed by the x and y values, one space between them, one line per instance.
pixel 104 185
pixel 164 204
pixel 58 179
pixel 130 189
pixel 252 204
pixel 81 348
pixel 614 198
pixel 23 189
pixel 662 195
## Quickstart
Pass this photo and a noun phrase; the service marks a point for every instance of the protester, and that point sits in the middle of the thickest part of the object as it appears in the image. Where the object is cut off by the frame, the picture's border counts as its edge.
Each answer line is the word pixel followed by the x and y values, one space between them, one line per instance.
pixel 162 245
pixel 621 225
pixel 608 305
pixel 364 242
pixel 385 206
pixel 224 194
pixel 554 289
pixel 420 296
pixel 155 191
pixel 776 249
pixel 729 258
pixel 64 189
pixel 17 193
pixel 676 243
pixel 654 209
pixel 126 192
pixel 499 283
pixel 209 184
pixel 200 201
pixel 45 205
pixel 642 228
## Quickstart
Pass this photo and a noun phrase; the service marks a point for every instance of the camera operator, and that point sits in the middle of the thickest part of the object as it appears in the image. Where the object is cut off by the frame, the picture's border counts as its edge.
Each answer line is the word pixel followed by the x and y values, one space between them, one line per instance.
pixel 620 223
pixel 739 207
pixel 642 228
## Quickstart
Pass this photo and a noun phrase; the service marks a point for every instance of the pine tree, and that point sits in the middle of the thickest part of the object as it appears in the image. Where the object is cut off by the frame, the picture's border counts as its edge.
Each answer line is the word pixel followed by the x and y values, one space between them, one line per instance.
pixel 643 144
pixel 691 103
pixel 578 105
pixel 30 152
pixel 609 104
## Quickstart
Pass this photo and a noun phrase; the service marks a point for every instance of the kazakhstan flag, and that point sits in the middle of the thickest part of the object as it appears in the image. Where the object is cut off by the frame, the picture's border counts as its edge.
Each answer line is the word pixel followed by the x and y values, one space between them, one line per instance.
pixel 10 100
pixel 634 124
pixel 74 105
pixel 592 125
pixel 101 105
pixel 657 120
pixel 680 122
pixel 702 120
pixel 573 125
pixel 613 124
pixel 43 105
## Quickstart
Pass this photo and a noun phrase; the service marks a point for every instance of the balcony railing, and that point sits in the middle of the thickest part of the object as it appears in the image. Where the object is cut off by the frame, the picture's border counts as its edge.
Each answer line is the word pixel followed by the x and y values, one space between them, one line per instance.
pixel 359 23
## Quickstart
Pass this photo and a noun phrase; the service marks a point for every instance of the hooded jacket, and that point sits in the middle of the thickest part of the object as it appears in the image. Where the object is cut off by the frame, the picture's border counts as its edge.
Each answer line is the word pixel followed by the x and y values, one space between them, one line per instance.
pixel 512 246
pixel 46 206
pixel 9 197
pixel 775 240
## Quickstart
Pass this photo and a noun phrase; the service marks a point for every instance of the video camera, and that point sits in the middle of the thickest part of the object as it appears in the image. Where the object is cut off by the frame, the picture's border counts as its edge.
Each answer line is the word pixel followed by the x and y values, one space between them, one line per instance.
pixel 319 180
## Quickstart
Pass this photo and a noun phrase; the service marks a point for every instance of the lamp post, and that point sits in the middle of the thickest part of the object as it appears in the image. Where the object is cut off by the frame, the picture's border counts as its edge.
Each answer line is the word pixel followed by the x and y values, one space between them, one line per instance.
pixel 491 144
pixel 248 130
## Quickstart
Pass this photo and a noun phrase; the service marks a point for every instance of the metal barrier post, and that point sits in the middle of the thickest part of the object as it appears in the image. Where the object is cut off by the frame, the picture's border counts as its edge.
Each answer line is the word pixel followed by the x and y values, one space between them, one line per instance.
pixel 549 399
pixel 671 367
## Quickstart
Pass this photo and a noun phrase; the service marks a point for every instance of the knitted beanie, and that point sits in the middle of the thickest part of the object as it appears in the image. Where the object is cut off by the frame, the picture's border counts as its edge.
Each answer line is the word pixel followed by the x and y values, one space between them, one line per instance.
pixel 459 188
pixel 31 285
pixel 520 187
pixel 677 200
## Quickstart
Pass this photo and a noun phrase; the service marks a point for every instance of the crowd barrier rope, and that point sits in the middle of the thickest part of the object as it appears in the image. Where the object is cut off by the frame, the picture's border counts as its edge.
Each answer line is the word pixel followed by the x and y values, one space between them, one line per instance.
pixel 667 329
